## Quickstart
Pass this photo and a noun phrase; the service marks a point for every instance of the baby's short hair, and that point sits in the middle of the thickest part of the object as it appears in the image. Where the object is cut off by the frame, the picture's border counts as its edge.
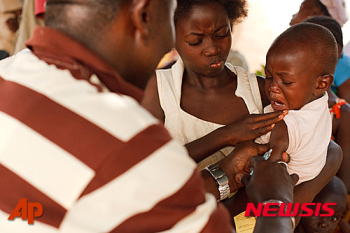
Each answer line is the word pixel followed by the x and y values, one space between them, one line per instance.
pixel 319 41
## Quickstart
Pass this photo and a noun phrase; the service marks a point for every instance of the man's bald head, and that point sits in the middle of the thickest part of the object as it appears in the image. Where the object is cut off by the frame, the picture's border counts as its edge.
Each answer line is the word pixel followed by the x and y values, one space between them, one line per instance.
pixel 82 18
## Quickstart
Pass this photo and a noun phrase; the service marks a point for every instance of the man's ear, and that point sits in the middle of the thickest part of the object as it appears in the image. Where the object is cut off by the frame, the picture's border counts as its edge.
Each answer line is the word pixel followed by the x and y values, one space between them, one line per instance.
pixel 140 17
pixel 324 82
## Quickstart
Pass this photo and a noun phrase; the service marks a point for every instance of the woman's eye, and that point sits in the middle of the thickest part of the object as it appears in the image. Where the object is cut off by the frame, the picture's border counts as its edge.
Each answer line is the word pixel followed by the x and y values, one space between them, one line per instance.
pixel 334 219
pixel 224 35
pixel 268 77
pixel 195 44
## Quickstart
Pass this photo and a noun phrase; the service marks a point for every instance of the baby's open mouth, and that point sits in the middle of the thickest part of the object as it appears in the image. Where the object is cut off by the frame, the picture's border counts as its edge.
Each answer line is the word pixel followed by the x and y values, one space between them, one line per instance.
pixel 276 105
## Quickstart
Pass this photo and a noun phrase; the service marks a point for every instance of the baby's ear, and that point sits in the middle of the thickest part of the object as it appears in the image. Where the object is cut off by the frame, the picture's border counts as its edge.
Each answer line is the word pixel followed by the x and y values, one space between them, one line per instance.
pixel 323 83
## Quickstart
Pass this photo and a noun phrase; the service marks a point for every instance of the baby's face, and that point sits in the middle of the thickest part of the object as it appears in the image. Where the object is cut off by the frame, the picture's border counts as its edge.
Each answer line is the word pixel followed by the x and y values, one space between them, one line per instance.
pixel 290 80
pixel 203 39
pixel 319 224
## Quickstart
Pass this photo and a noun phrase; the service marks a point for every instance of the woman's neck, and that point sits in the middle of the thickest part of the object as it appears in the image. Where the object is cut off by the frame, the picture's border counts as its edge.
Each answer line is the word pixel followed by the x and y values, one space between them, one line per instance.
pixel 205 82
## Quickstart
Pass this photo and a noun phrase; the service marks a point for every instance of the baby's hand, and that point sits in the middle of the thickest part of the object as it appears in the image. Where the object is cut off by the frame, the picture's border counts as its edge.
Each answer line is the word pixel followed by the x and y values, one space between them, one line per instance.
pixel 251 127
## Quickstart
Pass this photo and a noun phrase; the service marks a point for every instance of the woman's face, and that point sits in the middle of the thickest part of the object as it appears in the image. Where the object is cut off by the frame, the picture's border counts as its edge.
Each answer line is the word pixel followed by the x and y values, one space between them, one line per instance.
pixel 307 9
pixel 203 39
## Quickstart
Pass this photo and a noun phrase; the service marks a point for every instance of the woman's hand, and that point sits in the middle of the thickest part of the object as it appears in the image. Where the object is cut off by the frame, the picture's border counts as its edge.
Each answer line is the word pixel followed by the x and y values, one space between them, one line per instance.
pixel 250 127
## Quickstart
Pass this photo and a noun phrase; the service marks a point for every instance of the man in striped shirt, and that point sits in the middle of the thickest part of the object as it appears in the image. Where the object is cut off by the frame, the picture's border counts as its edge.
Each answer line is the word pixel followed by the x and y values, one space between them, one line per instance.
pixel 74 139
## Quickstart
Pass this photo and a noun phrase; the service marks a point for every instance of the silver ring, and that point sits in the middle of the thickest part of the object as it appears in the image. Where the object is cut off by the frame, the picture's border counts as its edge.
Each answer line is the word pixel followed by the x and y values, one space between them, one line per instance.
pixel 282 162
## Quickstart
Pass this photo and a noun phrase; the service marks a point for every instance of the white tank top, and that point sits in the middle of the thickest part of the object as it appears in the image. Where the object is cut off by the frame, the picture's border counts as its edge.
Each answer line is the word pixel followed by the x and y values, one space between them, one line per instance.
pixel 186 127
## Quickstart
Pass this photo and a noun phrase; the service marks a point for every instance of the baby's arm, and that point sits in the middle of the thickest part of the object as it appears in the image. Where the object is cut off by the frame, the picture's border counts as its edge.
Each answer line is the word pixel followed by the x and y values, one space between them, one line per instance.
pixel 279 141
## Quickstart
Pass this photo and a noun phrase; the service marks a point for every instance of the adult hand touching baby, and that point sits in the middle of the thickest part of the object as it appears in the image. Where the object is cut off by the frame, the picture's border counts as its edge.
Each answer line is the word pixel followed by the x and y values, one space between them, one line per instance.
pixel 239 162
pixel 250 127
pixel 246 129
pixel 270 182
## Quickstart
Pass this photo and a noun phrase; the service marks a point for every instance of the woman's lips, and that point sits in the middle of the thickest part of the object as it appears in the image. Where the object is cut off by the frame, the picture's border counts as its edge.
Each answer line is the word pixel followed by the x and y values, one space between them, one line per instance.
pixel 217 64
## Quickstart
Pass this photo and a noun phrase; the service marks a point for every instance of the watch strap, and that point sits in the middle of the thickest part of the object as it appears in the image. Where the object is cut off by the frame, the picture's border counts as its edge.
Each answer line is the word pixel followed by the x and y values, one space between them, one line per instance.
pixel 221 179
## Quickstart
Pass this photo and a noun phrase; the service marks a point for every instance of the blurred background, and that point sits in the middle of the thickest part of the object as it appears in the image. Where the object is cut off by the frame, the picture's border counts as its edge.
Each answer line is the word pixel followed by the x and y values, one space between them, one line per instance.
pixel 266 20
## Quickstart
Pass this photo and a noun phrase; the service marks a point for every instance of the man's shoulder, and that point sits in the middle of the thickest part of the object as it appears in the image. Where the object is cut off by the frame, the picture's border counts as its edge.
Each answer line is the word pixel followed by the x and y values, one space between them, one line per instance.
pixel 117 114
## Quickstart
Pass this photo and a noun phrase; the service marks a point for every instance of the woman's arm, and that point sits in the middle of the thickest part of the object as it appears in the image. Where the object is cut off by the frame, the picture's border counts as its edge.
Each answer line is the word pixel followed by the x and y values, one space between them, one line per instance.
pixel 246 129
pixel 243 130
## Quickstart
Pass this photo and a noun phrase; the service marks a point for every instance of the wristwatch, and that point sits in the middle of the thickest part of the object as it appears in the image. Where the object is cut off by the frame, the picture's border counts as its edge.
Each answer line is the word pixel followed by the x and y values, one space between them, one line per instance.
pixel 221 179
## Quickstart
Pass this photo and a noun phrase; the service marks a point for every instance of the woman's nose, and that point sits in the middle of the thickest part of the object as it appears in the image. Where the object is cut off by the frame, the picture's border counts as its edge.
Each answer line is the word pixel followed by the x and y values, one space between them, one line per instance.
pixel 212 49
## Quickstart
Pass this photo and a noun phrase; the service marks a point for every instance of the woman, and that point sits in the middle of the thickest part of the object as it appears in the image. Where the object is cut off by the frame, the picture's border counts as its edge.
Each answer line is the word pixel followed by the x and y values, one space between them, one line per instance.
pixel 203 102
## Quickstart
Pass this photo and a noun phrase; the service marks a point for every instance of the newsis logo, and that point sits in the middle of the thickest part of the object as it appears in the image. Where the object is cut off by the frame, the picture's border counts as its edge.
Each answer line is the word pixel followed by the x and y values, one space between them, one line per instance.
pixel 290 209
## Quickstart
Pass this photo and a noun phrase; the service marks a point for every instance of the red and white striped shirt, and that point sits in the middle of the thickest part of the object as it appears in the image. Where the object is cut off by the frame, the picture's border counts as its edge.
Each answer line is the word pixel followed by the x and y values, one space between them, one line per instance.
pixel 74 139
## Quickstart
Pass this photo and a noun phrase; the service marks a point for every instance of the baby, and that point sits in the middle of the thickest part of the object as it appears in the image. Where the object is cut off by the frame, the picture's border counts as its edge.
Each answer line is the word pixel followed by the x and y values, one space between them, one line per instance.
pixel 299 69
pixel 333 192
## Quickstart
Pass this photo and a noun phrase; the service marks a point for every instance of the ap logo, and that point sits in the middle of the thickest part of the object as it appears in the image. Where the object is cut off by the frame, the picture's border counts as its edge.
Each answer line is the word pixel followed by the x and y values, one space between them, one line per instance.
pixel 28 211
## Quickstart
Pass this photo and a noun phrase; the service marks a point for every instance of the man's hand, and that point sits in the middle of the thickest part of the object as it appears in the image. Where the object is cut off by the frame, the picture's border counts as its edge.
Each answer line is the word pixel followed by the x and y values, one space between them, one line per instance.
pixel 270 180
pixel 235 163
